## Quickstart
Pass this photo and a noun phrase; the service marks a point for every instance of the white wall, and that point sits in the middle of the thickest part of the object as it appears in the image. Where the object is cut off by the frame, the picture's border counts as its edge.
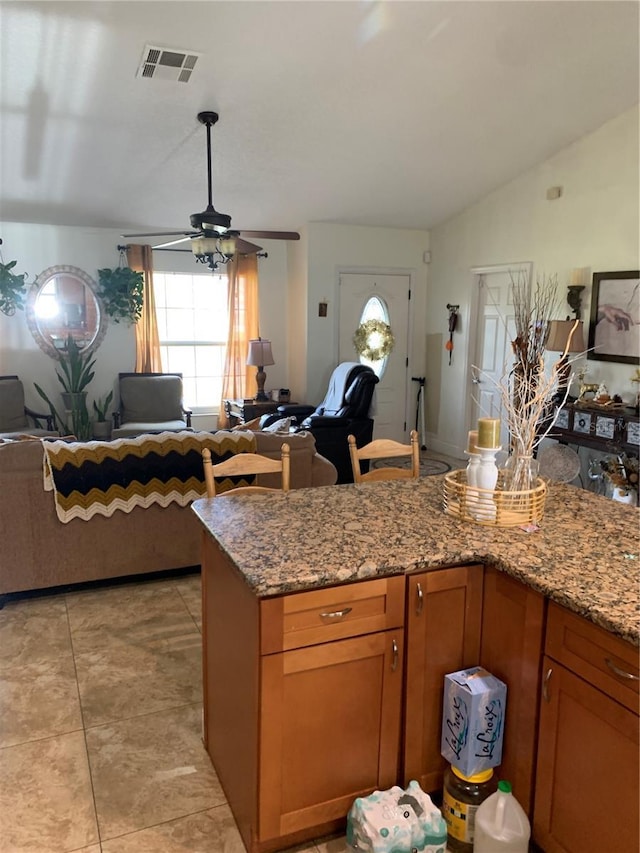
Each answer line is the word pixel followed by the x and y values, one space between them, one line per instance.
pixel 594 224
pixel 36 247
pixel 332 248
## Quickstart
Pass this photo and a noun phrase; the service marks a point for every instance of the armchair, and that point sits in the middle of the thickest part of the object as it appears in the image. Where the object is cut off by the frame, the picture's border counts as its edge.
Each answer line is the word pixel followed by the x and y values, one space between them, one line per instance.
pixel 344 411
pixel 14 414
pixel 150 402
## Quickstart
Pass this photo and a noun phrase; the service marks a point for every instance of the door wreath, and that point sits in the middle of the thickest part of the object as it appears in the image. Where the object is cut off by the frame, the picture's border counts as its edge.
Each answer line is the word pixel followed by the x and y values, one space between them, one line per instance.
pixel 373 340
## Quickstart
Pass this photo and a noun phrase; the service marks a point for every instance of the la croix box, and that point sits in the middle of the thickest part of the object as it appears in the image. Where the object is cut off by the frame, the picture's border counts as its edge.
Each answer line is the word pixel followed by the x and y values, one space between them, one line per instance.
pixel 473 715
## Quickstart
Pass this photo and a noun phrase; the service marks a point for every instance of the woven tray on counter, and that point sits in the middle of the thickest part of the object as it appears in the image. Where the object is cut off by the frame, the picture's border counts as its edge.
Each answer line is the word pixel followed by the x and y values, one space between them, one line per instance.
pixel 497 508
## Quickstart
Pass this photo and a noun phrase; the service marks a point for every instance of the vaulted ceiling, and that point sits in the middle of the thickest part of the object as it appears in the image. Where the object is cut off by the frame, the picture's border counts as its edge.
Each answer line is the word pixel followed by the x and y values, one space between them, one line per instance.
pixel 372 113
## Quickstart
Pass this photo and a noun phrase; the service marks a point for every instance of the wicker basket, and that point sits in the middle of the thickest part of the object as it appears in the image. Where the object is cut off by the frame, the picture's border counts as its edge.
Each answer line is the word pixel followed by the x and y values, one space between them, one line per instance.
pixel 494 508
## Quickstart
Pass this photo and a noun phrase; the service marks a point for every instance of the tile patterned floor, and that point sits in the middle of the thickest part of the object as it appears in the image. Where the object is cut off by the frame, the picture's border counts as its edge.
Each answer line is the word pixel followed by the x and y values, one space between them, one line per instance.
pixel 100 726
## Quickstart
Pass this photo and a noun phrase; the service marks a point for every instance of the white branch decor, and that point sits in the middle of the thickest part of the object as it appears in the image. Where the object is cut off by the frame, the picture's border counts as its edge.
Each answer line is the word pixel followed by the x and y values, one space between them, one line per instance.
pixel 528 393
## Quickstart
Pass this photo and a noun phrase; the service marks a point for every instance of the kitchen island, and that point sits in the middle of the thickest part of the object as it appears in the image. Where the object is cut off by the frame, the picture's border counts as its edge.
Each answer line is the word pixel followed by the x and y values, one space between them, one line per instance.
pixel 310 696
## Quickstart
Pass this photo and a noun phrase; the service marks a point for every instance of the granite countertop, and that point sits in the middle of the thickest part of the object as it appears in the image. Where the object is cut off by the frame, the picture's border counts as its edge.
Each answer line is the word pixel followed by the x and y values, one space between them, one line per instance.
pixel 585 555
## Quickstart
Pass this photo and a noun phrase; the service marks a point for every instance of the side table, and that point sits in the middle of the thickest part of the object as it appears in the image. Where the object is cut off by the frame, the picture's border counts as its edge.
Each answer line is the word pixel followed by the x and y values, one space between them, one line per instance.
pixel 241 411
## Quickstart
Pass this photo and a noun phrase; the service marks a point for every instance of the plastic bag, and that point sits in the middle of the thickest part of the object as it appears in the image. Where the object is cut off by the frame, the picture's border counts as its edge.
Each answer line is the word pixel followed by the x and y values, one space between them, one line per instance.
pixel 397 821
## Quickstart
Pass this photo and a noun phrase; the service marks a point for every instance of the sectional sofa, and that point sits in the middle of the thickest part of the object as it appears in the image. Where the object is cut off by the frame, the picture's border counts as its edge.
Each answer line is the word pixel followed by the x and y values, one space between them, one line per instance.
pixel 37 551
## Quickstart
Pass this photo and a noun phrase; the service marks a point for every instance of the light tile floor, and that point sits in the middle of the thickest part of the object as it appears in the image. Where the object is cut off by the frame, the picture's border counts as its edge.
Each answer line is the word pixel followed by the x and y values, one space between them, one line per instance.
pixel 100 726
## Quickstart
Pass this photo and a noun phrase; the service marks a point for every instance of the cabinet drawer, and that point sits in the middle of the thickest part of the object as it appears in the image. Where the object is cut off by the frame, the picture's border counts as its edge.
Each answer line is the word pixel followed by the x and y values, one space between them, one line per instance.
pixel 321 615
pixel 599 657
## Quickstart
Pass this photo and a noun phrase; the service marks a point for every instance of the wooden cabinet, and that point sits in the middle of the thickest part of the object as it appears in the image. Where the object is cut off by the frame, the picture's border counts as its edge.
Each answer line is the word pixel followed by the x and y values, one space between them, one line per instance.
pixel 511 649
pixel 302 699
pixel 586 797
pixel 599 427
pixel 444 610
pixel 240 411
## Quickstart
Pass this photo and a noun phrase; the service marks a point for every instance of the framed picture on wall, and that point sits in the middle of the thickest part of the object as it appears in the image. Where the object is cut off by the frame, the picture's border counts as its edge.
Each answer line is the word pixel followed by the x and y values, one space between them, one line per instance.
pixel 614 326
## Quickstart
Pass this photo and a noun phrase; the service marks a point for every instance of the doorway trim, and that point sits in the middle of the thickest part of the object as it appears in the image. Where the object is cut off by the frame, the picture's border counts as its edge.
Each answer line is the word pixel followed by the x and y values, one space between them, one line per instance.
pixel 367 270
pixel 476 303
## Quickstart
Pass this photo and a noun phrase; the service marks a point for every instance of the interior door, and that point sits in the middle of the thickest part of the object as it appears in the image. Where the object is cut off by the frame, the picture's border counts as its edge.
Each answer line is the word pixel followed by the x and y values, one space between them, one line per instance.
pixel 390 400
pixel 494 333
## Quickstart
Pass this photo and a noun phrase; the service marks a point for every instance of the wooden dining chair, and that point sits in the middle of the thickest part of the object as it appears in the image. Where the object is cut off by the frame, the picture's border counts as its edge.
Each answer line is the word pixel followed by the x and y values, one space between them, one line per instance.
pixel 246 464
pixel 384 448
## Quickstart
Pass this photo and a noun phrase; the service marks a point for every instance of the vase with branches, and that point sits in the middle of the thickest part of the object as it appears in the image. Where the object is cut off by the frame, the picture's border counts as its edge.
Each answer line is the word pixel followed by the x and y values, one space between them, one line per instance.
pixel 529 392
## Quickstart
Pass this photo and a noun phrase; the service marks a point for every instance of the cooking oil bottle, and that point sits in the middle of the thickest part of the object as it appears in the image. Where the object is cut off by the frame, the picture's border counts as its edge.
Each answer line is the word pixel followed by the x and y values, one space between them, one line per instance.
pixel 460 800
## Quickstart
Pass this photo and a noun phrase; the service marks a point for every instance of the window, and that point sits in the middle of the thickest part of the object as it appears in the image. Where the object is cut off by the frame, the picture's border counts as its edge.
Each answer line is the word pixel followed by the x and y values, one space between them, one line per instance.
pixel 192 326
pixel 375 309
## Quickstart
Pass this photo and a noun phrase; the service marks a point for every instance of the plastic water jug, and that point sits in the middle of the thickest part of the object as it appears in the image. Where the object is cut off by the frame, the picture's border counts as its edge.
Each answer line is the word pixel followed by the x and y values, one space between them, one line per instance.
pixel 501 824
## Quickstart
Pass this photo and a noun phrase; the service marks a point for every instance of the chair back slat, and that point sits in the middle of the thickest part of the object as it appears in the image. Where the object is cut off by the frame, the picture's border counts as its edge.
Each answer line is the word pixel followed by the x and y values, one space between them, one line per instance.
pixel 385 448
pixel 252 464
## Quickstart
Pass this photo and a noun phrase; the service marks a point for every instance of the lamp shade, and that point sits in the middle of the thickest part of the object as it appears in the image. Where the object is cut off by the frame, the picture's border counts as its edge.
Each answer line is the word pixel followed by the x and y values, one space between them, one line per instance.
pixel 559 335
pixel 260 353
pixel 203 245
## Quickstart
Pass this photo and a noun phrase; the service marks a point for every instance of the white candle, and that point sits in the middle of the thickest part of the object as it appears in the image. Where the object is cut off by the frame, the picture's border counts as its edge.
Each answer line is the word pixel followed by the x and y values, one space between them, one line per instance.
pixel 577 276
pixel 472 441
pixel 489 432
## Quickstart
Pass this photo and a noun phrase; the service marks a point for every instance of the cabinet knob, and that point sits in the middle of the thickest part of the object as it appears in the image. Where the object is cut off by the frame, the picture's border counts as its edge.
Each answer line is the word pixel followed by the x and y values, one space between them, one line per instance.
pixel 419 599
pixel 394 658
pixel 545 685
pixel 622 673
pixel 336 614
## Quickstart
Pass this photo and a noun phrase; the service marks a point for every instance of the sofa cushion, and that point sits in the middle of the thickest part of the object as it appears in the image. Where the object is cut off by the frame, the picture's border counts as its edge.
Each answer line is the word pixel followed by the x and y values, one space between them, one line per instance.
pixel 152 399
pixel 308 468
pixel 133 428
pixel 13 417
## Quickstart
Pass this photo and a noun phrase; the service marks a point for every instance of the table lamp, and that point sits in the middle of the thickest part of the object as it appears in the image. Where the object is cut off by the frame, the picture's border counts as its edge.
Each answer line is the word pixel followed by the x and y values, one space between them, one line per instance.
pixel 559 331
pixel 259 355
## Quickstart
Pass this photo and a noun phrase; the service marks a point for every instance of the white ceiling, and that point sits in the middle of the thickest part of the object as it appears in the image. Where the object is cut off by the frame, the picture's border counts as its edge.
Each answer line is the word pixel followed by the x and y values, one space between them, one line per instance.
pixel 371 113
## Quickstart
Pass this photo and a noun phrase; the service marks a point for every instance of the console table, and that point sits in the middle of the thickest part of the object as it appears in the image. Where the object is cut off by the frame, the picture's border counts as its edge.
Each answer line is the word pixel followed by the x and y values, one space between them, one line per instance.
pixel 602 428
pixel 241 411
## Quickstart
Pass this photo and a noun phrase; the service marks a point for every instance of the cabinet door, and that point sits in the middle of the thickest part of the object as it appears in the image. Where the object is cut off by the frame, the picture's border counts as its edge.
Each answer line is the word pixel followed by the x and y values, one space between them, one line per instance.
pixel 587 771
pixel 511 649
pixel 443 619
pixel 329 729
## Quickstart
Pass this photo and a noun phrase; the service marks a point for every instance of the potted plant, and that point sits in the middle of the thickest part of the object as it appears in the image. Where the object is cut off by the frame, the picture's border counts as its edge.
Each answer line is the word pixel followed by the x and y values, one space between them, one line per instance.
pixel 12 289
pixel 102 423
pixel 76 372
pixel 121 291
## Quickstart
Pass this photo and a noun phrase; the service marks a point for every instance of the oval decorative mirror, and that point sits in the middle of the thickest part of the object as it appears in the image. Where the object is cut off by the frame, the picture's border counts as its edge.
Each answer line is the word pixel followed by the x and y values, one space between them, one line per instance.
pixel 63 301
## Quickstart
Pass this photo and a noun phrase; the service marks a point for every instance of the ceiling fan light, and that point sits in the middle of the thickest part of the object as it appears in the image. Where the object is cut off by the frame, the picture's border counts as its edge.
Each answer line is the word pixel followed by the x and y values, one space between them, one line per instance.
pixel 203 245
pixel 227 246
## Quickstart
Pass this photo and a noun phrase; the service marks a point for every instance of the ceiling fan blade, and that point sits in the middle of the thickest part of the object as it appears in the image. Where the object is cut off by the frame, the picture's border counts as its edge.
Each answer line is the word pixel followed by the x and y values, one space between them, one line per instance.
pixel 245 248
pixel 172 242
pixel 164 234
pixel 270 235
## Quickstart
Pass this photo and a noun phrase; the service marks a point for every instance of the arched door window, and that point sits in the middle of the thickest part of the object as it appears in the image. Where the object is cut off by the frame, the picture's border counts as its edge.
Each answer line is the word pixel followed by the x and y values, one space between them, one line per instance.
pixel 375 309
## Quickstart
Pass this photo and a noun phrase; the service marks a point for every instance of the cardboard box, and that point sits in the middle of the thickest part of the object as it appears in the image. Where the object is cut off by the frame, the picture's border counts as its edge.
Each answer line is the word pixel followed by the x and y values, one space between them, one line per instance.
pixel 473 715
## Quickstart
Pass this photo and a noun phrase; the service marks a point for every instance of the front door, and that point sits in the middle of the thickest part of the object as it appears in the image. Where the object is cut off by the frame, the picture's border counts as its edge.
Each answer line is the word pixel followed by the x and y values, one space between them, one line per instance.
pixel 393 293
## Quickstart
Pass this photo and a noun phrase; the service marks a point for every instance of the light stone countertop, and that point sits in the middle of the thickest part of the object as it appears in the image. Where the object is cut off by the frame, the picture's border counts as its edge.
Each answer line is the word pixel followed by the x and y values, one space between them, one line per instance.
pixel 585 555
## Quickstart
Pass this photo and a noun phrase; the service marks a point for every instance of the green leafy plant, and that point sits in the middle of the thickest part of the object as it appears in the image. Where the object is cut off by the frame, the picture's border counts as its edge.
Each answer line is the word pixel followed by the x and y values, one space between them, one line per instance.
pixel 76 372
pixel 121 290
pixel 12 289
pixel 77 367
pixel 101 405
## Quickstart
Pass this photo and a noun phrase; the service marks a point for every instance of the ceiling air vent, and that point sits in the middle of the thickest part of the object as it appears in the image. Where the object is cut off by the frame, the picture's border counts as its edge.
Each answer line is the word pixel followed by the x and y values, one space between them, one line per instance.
pixel 167 63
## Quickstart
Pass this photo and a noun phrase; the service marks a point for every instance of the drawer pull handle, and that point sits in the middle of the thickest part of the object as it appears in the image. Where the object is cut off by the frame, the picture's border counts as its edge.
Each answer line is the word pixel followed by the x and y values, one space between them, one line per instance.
pixel 336 614
pixel 545 685
pixel 621 672
pixel 420 601
pixel 394 659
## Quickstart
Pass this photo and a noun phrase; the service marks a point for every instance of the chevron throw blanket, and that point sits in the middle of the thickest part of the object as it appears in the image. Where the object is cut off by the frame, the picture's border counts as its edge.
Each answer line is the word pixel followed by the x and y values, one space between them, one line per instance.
pixel 99 477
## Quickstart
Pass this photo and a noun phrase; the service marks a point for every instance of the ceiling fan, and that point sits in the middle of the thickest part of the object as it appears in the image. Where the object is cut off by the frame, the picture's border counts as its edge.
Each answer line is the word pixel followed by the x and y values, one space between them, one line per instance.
pixel 212 239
